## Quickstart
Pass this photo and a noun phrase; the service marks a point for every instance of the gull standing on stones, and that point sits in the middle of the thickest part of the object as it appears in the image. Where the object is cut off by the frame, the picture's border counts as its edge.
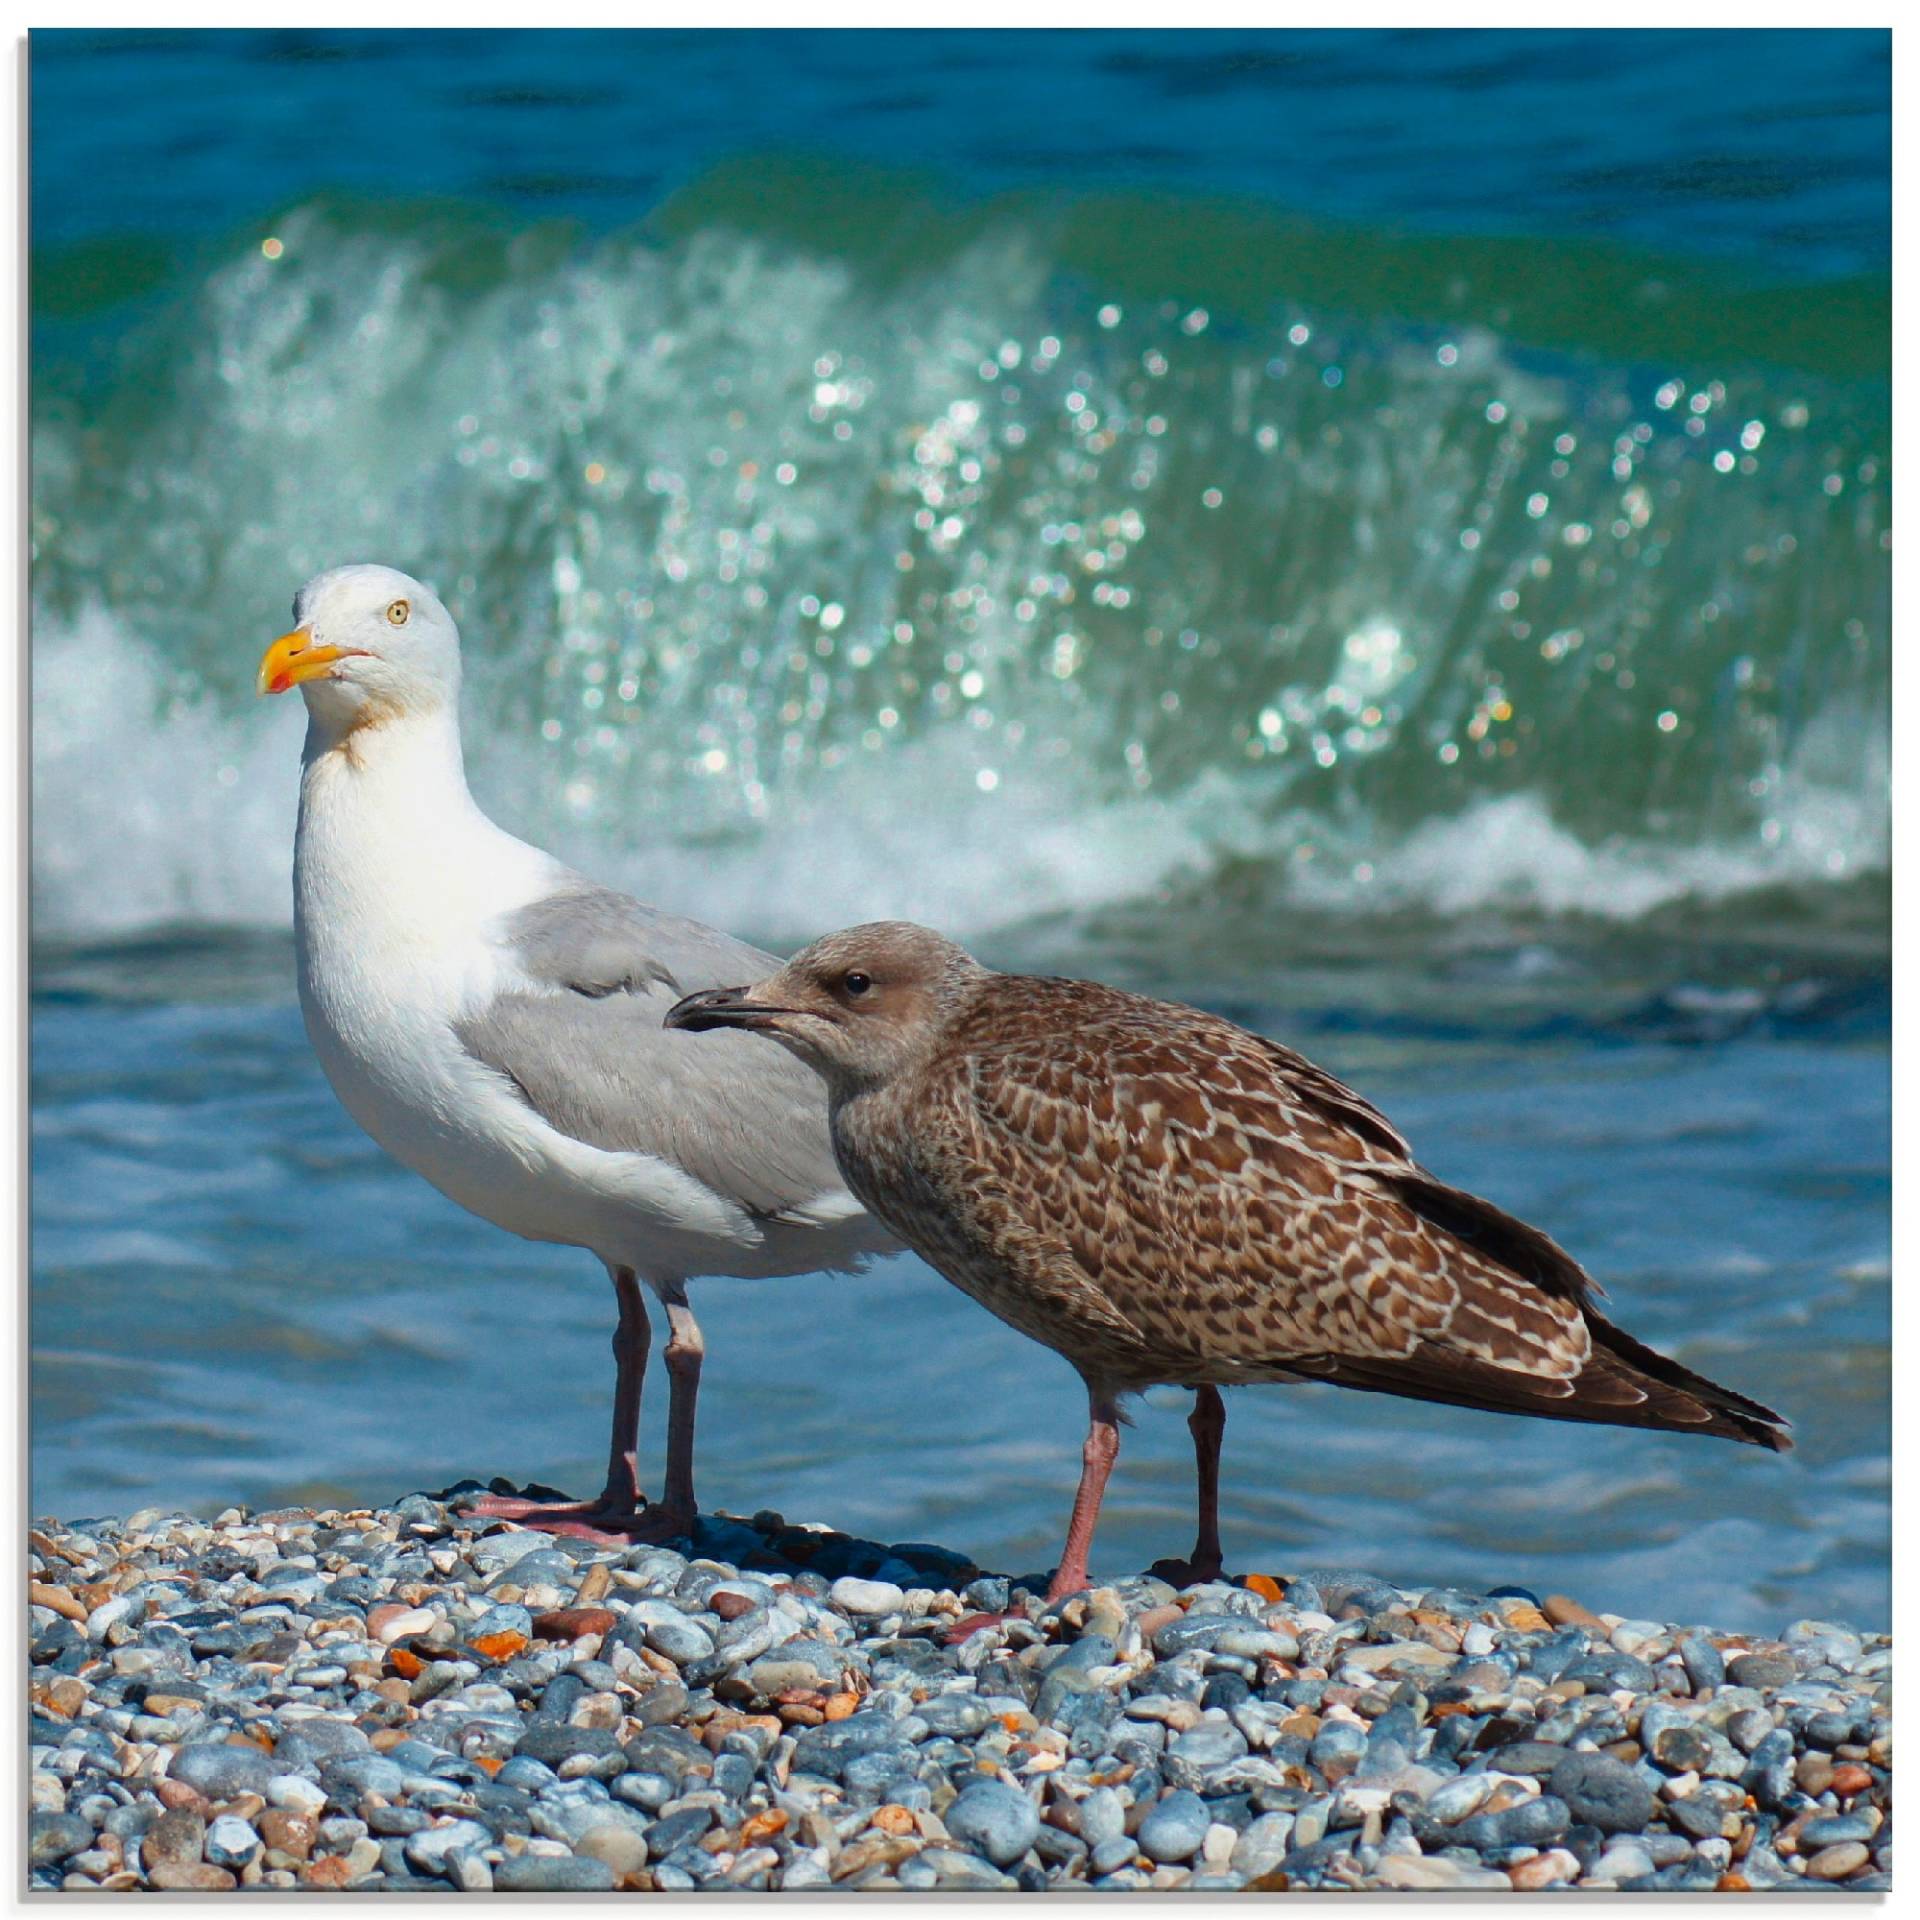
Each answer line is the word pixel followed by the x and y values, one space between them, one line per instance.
pixel 493 1019
pixel 1159 1195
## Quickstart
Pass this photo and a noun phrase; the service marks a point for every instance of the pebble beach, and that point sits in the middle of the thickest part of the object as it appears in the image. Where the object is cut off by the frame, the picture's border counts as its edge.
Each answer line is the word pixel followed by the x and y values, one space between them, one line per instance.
pixel 410 1698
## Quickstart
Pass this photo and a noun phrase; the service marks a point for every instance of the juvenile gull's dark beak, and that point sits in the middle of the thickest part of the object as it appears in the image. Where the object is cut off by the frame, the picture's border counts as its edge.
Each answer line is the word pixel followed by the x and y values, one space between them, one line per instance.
pixel 719 1007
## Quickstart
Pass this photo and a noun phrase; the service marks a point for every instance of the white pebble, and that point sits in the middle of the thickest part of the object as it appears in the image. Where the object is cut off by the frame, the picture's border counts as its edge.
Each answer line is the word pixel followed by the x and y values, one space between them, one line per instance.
pixel 868 1598
pixel 807 1869
pixel 1624 1860
pixel 109 1613
pixel 414 1620
pixel 295 1794
pixel 231 1842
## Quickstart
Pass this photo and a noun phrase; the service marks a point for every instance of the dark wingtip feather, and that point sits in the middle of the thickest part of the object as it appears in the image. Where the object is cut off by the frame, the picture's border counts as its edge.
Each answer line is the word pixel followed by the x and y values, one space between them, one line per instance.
pixel 1731 1415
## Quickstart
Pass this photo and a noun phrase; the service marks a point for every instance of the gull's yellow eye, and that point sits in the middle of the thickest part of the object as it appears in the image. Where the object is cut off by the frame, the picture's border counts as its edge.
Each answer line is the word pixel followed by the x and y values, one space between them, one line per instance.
pixel 397 614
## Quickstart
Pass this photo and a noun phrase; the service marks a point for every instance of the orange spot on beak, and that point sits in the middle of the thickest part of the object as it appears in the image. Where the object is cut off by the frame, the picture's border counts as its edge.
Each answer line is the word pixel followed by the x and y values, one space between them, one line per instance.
pixel 294 658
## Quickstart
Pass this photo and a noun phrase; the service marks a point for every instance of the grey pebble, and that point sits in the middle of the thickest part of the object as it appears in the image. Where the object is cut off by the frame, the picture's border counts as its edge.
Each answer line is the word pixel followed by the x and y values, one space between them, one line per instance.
pixel 675 1829
pixel 552 1873
pixel 53 1836
pixel 1102 1815
pixel 231 1842
pixel 221 1771
pixel 1537 1822
pixel 1705 1668
pixel 1834 1828
pixel 252 1622
pixel 994 1819
pixel 681 1640
pixel 1602 1792
pixel 956 1869
pixel 1175 1827
pixel 1262 1845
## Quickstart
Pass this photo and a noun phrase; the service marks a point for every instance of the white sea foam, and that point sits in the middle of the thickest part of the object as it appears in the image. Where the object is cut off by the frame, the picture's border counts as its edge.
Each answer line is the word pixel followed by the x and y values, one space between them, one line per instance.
pixel 152 809
pixel 1510 853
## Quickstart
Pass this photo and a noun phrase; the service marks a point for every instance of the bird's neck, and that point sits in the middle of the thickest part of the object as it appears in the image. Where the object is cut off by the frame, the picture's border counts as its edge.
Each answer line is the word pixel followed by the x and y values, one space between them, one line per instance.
pixel 391 801
pixel 421 746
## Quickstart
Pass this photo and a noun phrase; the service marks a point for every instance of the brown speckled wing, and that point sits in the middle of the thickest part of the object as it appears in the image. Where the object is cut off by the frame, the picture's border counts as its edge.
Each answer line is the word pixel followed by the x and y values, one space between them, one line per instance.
pixel 1246 1216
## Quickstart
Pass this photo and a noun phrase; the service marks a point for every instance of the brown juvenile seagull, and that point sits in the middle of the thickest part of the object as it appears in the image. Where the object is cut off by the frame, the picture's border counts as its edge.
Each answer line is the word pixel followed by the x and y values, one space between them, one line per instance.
pixel 1159 1195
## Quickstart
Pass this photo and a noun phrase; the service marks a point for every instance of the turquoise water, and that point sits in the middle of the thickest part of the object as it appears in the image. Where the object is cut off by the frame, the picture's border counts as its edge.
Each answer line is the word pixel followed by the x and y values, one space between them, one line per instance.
pixel 1384 534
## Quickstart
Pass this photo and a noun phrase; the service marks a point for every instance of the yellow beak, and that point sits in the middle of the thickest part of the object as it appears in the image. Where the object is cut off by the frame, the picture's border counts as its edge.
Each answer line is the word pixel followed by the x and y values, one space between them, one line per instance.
pixel 294 658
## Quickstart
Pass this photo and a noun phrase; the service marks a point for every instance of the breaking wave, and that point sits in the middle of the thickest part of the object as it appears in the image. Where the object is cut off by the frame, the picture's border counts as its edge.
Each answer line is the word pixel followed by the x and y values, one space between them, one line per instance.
pixel 960 582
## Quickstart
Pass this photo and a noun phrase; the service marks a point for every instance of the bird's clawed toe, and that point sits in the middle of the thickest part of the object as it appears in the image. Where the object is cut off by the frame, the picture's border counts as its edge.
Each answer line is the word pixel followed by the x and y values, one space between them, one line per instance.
pixel 1187 1573
pixel 604 1522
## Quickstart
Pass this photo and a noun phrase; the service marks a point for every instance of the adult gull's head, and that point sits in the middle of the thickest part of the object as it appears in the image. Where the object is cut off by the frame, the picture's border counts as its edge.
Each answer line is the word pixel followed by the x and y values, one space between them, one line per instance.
pixel 368 644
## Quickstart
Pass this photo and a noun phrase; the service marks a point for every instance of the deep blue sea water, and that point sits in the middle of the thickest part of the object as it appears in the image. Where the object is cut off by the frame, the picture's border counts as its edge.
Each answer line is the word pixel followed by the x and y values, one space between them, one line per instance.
pixel 1383 533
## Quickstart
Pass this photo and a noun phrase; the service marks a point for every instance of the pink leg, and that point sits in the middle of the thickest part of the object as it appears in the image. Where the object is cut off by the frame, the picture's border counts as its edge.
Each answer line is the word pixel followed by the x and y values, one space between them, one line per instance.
pixel 616 1514
pixel 1096 1463
pixel 685 1351
pixel 672 1517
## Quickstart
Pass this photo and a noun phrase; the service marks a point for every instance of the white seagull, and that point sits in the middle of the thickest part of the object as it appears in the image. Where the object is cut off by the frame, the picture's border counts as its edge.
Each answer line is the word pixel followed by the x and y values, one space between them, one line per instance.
pixel 493 1019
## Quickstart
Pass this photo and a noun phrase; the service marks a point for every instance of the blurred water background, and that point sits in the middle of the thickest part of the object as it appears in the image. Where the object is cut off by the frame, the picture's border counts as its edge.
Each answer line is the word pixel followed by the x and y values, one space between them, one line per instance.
pixel 1382 534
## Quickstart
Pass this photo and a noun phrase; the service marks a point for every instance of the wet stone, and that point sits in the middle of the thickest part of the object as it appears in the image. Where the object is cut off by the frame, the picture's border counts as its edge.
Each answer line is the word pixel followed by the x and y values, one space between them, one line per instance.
pixel 545 1873
pixel 231 1842
pixel 395 1821
pixel 1762 1670
pixel 553 1743
pixel 866 1598
pixel 53 1836
pixel 1174 1829
pixel 190 1876
pixel 1705 1668
pixel 648 1791
pixel 1837 1863
pixel 426 1762
pixel 1607 1672
pixel 1534 1822
pixel 1833 1829
pixel 177 1835
pixel 995 1820
pixel 1262 1845
pixel 1102 1816
pixel 1600 1791
pixel 1536 1758
pixel 674 1829
pixel 220 1771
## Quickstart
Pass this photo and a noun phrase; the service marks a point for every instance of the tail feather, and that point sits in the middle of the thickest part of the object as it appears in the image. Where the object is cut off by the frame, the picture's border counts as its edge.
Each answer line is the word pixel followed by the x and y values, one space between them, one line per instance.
pixel 1685 1398
pixel 1625 1384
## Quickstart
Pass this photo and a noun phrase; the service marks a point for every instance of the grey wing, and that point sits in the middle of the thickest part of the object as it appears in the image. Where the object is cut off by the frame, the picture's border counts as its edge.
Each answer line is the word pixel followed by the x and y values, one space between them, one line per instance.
pixel 593 941
pixel 585 1048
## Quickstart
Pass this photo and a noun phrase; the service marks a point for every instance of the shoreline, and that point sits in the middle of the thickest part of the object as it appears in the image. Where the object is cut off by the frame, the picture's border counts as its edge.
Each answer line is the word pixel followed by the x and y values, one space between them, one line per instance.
pixel 393 1698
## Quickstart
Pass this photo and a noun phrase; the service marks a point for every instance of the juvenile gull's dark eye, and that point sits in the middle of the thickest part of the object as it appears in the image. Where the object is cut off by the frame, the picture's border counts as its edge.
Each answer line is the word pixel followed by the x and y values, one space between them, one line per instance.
pixel 856 984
